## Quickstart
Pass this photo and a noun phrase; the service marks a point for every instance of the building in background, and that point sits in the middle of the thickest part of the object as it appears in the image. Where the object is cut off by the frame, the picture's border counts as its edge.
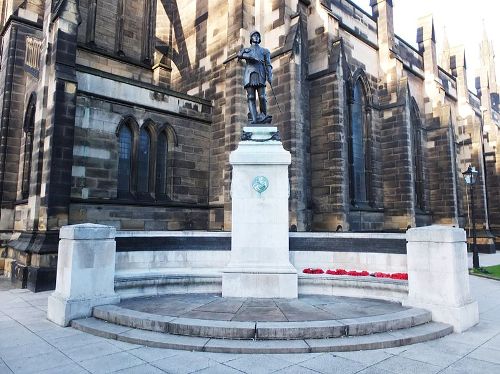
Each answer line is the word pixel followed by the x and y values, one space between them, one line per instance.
pixel 124 112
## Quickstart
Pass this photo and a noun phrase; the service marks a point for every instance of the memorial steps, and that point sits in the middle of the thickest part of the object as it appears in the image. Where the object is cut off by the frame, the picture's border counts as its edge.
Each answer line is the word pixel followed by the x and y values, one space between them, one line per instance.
pixel 312 323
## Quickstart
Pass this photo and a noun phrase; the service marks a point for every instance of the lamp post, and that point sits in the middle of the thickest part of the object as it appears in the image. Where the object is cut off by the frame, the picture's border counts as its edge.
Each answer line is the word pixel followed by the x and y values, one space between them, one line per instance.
pixel 470 177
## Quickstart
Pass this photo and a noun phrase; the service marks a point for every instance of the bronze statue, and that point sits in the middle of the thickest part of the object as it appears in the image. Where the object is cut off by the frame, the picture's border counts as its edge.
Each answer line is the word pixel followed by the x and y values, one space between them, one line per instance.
pixel 258 71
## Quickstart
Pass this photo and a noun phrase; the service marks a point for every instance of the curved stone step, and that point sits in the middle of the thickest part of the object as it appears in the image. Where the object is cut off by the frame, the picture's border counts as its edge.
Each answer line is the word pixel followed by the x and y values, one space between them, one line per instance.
pixel 262 330
pixel 417 334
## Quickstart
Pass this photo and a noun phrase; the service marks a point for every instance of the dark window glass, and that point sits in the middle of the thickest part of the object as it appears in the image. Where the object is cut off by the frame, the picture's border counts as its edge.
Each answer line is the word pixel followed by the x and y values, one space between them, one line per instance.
pixel 124 166
pixel 161 165
pixel 358 145
pixel 417 160
pixel 143 162
pixel 28 151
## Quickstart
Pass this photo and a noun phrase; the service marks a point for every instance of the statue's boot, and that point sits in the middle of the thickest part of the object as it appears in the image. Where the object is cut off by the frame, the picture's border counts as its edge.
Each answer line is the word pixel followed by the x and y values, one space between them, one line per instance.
pixel 264 117
pixel 252 106
pixel 263 106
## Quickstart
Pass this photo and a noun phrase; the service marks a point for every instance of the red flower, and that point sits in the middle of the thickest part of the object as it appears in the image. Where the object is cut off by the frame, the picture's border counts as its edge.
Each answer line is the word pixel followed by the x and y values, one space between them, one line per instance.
pixel 313 271
pixel 401 276
pixel 382 275
pixel 336 272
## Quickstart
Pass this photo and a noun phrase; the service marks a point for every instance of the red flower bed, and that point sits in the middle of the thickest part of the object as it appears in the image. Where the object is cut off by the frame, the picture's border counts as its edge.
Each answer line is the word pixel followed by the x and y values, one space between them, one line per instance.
pixel 313 271
pixel 354 273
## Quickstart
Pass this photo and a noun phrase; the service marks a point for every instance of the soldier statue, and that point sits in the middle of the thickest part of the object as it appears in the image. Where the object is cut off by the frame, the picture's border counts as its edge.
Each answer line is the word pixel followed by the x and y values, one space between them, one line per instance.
pixel 258 70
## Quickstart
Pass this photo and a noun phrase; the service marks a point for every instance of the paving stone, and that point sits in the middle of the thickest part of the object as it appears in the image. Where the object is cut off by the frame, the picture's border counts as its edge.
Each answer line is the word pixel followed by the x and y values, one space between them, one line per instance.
pixel 296 369
pixel 297 357
pixel 258 364
pixel 373 370
pixel 149 354
pixel 365 357
pixel 110 363
pixel 201 314
pixel 300 311
pixel 219 369
pixel 57 332
pixel 396 350
pixel 430 355
pixel 8 323
pixel 140 369
pixel 3 368
pixel 267 303
pixel 77 340
pixel 394 365
pixel 494 342
pixel 470 365
pixel 73 368
pixel 342 311
pixel 219 357
pixel 185 362
pixel 446 346
pixel 486 354
pixel 222 306
pixel 329 363
pixel 88 352
pixel 39 348
pixel 37 363
pixel 124 346
pixel 479 334
pixel 19 339
pixel 39 325
pixel 258 313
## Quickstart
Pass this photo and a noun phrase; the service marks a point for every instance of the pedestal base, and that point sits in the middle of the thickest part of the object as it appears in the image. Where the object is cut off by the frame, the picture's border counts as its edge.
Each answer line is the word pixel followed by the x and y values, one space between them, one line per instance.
pixel 62 311
pixel 261 285
pixel 460 317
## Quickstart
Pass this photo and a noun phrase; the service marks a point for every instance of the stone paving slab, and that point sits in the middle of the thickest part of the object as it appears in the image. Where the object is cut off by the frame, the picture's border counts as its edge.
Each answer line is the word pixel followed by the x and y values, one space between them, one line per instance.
pixel 305 308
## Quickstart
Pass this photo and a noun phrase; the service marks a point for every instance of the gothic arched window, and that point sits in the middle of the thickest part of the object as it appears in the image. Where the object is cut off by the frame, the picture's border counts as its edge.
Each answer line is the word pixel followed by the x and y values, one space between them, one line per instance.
pixel 416 143
pixel 359 146
pixel 145 157
pixel 125 160
pixel 29 127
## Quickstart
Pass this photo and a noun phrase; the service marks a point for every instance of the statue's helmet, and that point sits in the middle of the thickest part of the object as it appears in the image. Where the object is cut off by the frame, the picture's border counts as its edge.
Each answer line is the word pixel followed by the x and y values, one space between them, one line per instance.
pixel 255 33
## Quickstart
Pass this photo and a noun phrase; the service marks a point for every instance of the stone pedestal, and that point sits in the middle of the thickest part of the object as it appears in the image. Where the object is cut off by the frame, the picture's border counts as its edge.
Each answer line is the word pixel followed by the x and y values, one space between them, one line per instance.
pixel 85 272
pixel 260 264
pixel 438 277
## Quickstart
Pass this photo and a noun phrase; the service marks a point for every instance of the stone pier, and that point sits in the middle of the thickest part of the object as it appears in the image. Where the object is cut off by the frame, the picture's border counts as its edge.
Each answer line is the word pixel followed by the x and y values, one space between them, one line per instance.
pixel 260 264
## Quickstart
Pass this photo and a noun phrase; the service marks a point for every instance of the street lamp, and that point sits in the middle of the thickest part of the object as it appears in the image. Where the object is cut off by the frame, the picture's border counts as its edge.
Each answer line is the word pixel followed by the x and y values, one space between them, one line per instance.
pixel 470 177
